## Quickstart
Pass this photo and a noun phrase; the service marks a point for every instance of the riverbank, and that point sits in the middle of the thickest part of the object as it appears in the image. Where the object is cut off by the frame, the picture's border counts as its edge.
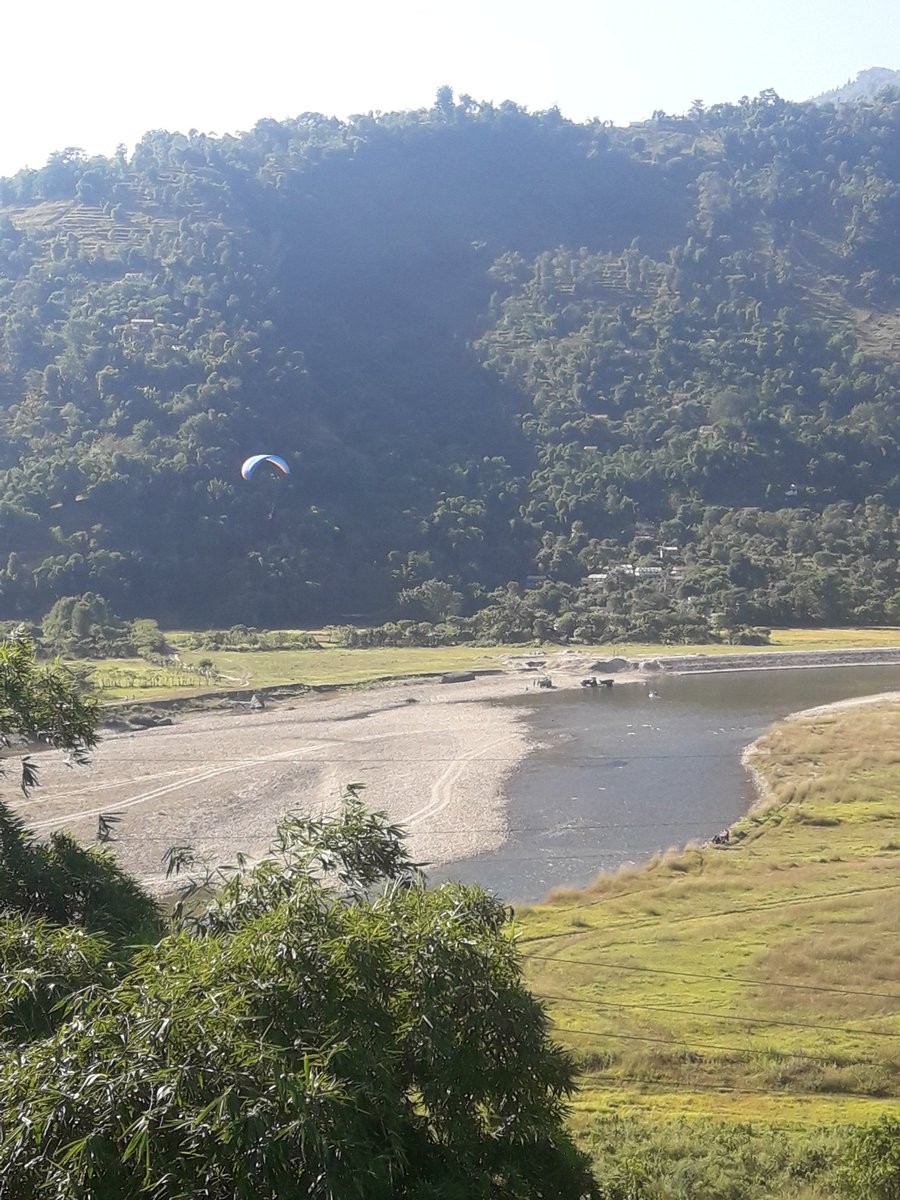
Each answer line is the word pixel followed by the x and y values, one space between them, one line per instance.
pixel 756 982
pixel 195 676
pixel 437 757
pixel 434 756
pixel 574 664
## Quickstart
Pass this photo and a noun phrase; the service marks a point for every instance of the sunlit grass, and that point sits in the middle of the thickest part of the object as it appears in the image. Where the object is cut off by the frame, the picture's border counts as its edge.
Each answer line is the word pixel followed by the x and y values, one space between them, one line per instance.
pixel 768 967
pixel 659 1106
pixel 136 679
pixel 242 669
pixel 330 665
pixel 835 639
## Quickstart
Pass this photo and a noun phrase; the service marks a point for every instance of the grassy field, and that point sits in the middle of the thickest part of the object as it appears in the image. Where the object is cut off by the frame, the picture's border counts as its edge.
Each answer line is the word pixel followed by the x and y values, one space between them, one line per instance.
pixel 120 679
pixel 757 982
pixel 832 639
pixel 133 678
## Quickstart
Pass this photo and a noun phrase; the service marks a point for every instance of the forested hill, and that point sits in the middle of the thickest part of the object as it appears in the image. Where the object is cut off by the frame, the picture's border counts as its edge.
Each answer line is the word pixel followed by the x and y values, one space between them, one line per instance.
pixel 866 86
pixel 490 344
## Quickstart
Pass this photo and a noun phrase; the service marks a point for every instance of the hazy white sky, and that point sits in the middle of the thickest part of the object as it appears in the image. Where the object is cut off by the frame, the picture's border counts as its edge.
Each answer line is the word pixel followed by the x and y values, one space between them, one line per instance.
pixel 93 73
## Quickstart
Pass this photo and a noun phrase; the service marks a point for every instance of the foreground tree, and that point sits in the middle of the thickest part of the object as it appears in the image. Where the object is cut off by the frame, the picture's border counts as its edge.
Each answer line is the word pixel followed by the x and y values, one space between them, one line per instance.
pixel 69 916
pixel 41 705
pixel 58 879
pixel 325 1026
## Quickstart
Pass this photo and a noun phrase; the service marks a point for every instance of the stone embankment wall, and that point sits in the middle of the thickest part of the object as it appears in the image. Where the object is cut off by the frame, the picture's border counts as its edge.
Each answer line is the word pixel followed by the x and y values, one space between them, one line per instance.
pixel 776 660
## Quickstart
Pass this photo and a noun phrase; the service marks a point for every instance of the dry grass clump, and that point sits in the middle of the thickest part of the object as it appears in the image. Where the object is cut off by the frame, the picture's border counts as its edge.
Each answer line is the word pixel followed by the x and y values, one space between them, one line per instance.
pixel 609 883
pixel 784 1074
pixel 560 895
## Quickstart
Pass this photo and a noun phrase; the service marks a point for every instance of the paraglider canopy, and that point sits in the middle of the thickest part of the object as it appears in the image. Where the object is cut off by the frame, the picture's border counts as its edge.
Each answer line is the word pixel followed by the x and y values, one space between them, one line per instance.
pixel 255 459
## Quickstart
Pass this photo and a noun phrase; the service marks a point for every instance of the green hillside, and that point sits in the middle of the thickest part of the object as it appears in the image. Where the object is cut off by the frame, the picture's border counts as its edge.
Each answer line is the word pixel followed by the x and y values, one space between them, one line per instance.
pixel 491 344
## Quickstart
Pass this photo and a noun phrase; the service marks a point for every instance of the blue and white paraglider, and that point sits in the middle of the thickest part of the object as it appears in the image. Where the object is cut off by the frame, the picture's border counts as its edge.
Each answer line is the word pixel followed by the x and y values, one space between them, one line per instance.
pixel 275 464
pixel 254 461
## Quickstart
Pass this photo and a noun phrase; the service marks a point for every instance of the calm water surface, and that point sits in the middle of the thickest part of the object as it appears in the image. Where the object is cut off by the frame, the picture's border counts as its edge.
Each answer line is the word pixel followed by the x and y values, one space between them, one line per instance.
pixel 620 775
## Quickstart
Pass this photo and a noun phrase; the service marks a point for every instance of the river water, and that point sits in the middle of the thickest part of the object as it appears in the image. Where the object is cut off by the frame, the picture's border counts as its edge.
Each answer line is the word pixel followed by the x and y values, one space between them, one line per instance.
pixel 619 773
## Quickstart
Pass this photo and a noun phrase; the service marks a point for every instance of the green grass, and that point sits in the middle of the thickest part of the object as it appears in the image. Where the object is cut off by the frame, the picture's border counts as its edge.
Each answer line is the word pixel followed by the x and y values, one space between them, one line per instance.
pixel 700 1158
pixel 833 639
pixel 334 666
pixel 135 679
pixel 121 679
pixel 756 982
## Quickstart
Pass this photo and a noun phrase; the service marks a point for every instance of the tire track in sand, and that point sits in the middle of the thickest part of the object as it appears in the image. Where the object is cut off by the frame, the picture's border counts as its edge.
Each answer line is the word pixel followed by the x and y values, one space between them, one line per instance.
pixel 166 789
pixel 442 788
pixel 73 793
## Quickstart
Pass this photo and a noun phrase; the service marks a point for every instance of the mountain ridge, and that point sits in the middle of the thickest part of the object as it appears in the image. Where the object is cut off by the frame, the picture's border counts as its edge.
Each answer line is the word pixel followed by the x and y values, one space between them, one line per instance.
pixel 865 86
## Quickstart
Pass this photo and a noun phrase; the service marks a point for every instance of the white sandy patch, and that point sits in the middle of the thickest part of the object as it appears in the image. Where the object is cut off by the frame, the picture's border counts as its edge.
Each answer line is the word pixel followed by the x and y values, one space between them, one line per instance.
pixel 822 710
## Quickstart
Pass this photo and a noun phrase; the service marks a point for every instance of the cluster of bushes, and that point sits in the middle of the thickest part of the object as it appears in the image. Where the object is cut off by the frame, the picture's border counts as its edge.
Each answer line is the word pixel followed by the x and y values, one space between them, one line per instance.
pixel 748 635
pixel 556 613
pixel 246 637
pixel 401 633
pixel 687 1160
pixel 85 627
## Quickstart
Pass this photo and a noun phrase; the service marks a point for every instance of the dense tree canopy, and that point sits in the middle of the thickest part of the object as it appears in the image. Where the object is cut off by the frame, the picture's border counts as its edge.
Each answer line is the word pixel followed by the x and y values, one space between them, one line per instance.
pixel 491 344
pixel 324 1026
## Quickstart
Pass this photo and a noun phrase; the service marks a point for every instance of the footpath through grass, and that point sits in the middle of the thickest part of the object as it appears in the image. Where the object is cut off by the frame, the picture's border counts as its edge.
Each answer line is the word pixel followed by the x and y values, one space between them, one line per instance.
pixel 759 981
pixel 120 679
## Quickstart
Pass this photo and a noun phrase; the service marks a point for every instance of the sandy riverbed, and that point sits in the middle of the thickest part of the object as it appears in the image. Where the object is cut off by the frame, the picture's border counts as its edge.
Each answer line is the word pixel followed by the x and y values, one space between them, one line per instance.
pixel 435 756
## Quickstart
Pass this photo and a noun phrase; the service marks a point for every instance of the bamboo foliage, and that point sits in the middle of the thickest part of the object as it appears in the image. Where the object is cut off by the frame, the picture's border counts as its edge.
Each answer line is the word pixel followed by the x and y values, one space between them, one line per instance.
pixel 320 1024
